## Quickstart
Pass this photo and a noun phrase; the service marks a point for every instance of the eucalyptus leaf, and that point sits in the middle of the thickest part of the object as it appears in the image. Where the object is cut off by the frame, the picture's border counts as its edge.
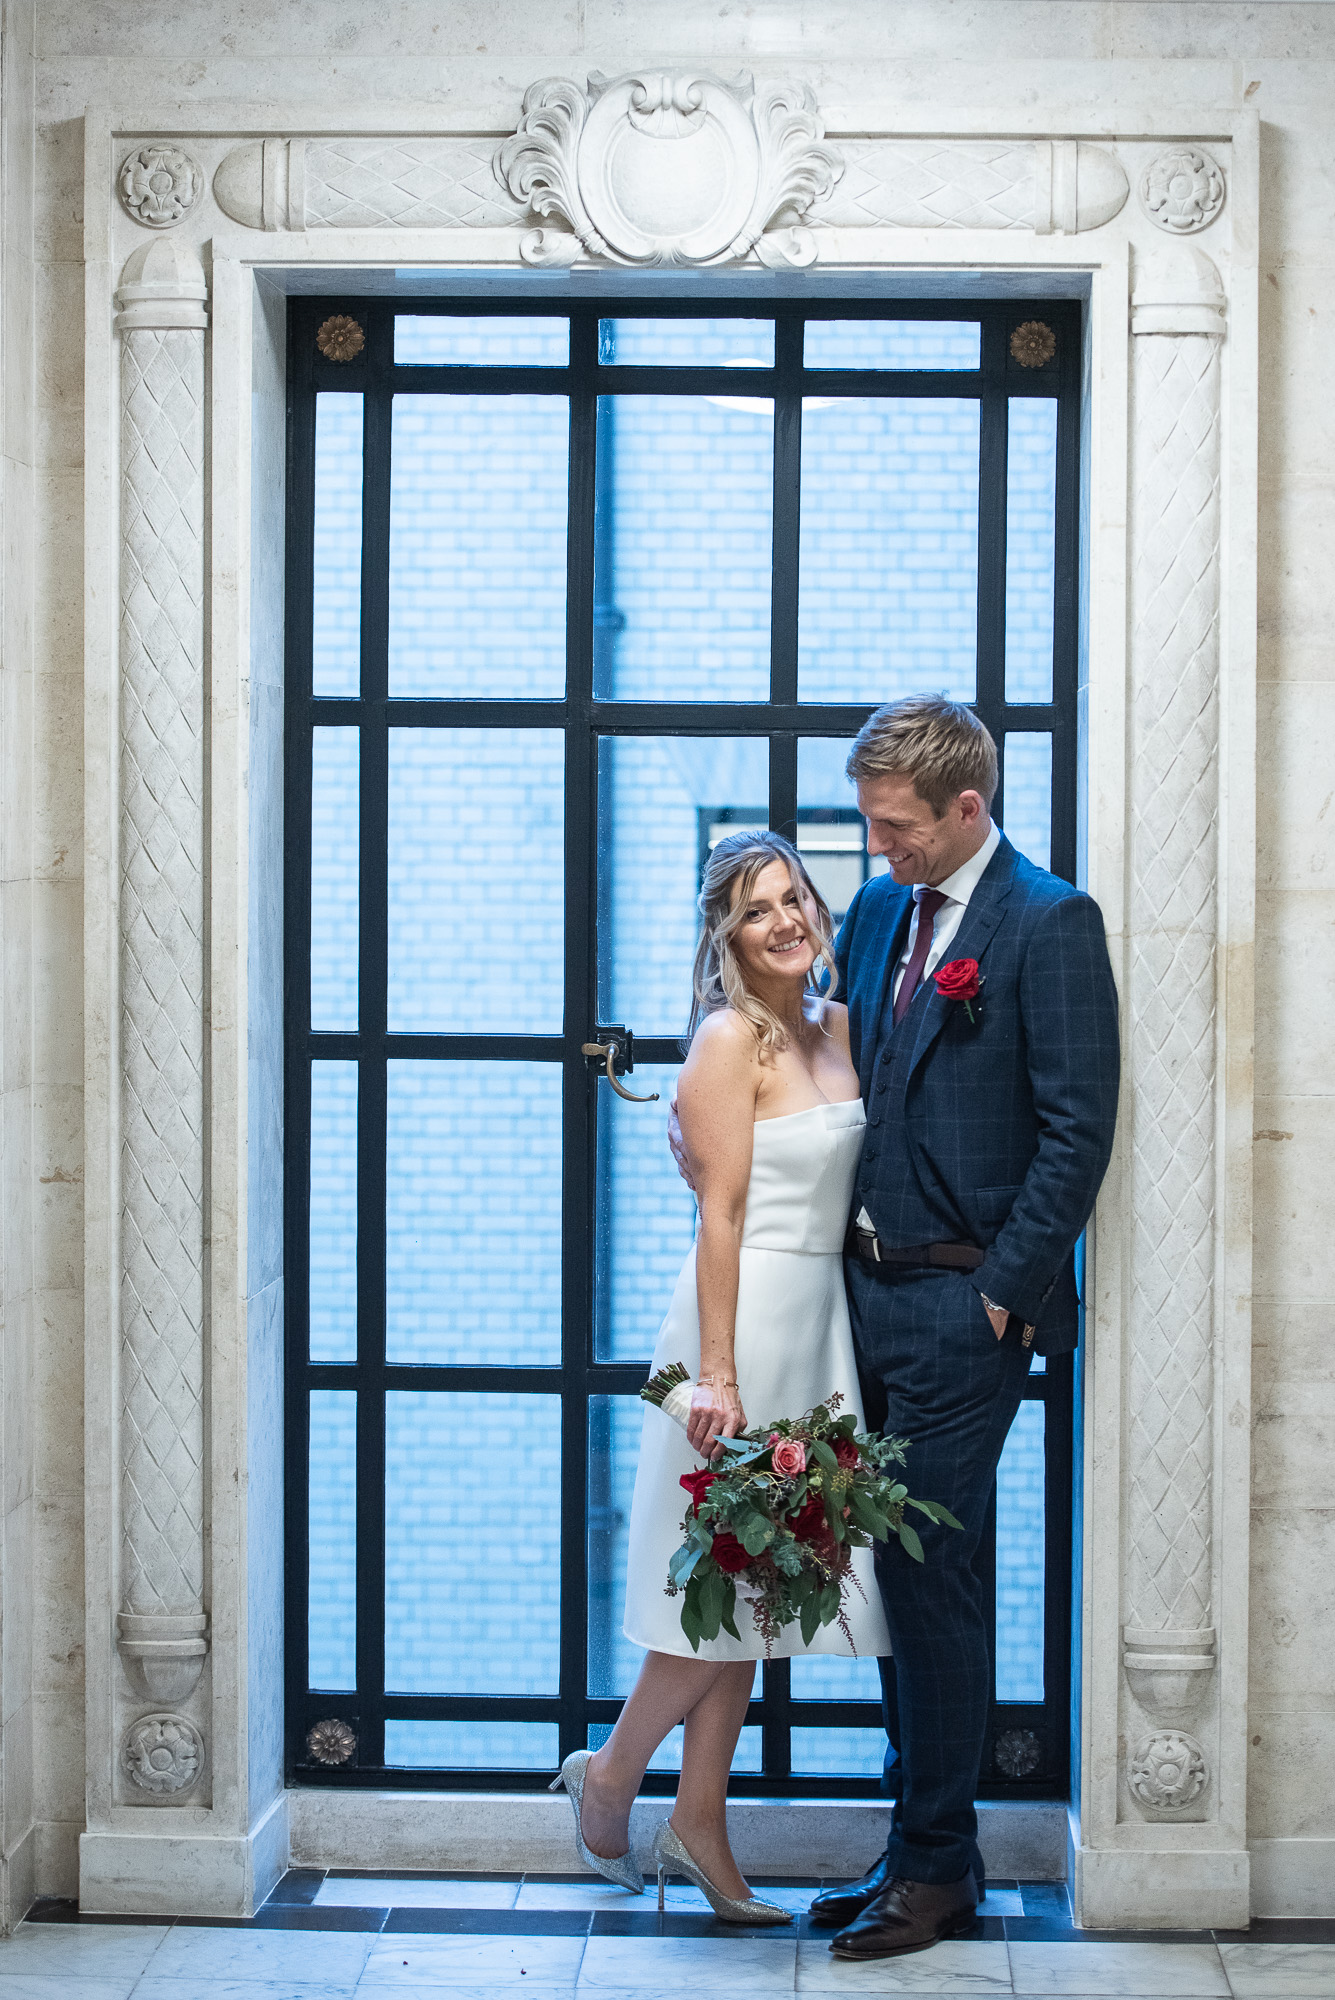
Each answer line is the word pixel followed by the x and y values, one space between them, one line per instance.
pixel 909 1537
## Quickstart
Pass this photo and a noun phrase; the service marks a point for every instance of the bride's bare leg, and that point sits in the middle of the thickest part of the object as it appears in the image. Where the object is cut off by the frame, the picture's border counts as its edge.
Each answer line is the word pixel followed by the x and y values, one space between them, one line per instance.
pixel 668 1690
pixel 699 1816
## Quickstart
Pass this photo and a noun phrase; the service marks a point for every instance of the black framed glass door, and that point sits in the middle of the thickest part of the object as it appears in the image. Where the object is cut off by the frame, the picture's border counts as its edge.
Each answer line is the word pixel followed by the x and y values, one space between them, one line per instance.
pixel 570 594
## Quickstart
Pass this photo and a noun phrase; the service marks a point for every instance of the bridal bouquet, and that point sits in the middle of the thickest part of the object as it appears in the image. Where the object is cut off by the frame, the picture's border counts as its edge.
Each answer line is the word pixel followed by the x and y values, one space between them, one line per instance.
pixel 781 1516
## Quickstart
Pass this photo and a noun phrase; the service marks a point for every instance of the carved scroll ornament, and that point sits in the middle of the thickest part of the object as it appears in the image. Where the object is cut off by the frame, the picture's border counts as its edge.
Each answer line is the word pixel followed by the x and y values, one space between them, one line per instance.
pixel 670 167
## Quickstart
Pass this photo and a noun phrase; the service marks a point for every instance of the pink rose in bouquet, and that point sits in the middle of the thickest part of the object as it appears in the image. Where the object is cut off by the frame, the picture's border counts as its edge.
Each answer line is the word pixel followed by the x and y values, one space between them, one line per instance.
pixel 788 1457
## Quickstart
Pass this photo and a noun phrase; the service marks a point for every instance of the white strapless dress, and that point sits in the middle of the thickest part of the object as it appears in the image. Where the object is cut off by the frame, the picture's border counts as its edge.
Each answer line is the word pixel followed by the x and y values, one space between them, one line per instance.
pixel 794 1348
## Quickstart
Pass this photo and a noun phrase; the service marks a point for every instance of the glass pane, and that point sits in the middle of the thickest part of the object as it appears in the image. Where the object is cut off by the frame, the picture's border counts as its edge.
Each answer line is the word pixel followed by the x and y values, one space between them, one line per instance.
pixel 614 1449
pixel 336 610
pixel 667 1757
pixel 646 1216
pixel 477 546
pixel 661 799
pixel 333 1246
pixel 472 1746
pixel 683 548
pixel 335 787
pixel 473 1213
pixel 892 343
pixel 332 1516
pixel 1031 547
pixel 1027 794
pixel 489 341
pixel 831 832
pixel 472 1543
pixel 889 554
pixel 476 838
pixel 1020 1552
pixel 686 343
pixel 849 1753
pixel 826 1677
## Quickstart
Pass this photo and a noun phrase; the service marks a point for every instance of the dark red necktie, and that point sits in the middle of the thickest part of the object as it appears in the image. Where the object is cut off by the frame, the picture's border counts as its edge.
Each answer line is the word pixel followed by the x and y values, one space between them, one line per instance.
pixel 929 903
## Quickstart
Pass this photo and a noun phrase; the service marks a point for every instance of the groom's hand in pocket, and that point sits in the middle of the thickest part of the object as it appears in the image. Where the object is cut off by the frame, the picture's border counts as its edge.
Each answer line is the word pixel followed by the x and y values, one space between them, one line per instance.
pixel 678 1146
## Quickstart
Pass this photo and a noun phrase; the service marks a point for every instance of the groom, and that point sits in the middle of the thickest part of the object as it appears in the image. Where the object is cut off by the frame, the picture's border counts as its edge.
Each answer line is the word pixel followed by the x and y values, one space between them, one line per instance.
pixel 989 1127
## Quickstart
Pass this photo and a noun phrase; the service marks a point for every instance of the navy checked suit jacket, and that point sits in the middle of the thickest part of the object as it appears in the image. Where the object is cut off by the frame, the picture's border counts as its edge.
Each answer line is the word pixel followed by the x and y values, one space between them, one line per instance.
pixel 998 1133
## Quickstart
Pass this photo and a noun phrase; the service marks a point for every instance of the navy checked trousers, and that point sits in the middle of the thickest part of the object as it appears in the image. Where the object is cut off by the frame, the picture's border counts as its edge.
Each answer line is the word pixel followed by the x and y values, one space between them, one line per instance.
pixel 934 1372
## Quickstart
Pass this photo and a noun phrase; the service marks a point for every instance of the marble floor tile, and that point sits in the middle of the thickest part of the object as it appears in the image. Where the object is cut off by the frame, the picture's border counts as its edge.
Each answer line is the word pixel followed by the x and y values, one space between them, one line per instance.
pixel 956 1966
pixel 413 1892
pixel 407 1962
pixel 671 1965
pixel 1279 1971
pixel 312 1958
pixel 62 1986
pixel 1183 1970
pixel 237 1989
pixel 1002 1903
pixel 88 1951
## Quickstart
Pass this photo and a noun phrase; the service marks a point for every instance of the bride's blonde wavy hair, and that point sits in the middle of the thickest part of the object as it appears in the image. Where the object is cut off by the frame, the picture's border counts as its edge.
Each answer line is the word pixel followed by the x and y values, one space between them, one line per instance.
pixel 717 978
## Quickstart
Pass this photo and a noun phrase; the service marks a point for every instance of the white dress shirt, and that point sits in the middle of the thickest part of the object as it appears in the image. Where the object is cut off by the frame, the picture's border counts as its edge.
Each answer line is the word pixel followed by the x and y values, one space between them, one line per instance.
pixel 956 889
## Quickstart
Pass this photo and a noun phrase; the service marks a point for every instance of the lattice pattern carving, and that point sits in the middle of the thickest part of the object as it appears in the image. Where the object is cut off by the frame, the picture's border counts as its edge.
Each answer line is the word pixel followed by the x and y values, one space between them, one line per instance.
pixel 932 184
pixel 162 969
pixel 405 184
pixel 1175 745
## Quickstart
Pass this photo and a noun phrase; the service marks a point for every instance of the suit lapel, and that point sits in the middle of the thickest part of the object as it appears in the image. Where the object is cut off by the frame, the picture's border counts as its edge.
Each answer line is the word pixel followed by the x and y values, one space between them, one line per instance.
pixel 986 907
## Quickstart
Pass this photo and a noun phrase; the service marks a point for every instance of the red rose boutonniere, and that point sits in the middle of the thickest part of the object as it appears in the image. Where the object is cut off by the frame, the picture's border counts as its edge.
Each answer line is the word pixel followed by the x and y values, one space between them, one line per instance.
pixel 959 981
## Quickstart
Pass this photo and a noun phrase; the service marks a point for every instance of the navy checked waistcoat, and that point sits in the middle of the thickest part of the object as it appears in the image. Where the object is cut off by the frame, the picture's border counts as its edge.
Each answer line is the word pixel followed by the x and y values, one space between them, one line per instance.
pixel 996 1133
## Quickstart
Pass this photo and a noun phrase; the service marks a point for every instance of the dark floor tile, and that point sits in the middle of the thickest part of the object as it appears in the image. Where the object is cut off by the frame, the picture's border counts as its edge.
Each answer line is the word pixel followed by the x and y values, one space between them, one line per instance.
pixel 441 1875
pixel 57 1910
pixel 1281 1930
pixel 679 1923
pixel 1039 1930
pixel 299 1885
pixel 488 1923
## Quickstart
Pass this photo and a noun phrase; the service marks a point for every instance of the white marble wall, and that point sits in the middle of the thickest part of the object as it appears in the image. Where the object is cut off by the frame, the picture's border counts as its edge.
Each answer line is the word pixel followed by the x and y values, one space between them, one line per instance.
pixel 472 62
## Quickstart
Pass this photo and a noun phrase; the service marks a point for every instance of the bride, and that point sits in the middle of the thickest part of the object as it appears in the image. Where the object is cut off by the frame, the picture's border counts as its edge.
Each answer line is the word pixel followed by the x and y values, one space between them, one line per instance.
pixel 773 1126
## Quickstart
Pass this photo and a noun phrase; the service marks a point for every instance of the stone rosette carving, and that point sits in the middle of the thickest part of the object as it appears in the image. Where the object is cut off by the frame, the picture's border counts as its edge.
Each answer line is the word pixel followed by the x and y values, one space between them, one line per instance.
pixel 162 1754
pixel 1017 1753
pixel 340 338
pixel 669 167
pixel 1182 191
pixel 331 1741
pixel 1033 344
pixel 1168 1773
pixel 159 185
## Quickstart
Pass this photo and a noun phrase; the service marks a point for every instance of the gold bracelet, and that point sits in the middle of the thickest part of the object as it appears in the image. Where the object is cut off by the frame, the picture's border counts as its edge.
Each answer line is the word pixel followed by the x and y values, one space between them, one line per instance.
pixel 700 1381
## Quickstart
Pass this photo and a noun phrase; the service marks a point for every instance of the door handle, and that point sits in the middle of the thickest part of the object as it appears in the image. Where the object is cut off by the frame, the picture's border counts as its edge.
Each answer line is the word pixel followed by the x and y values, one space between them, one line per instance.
pixel 616 1051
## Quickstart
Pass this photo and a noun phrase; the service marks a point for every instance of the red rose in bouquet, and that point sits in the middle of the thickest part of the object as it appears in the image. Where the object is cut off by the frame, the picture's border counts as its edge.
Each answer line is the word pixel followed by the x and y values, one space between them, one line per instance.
pixel 846 1452
pixel 697 1484
pixel 809 1521
pixel 729 1554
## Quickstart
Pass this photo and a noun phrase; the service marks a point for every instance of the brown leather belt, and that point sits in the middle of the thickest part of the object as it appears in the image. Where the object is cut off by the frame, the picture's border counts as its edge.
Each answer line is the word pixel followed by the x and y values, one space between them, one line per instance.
pixel 866 1245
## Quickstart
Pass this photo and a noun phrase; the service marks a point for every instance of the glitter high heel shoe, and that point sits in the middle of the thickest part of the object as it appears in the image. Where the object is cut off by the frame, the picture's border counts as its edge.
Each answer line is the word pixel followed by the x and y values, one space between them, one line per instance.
pixel 622 1871
pixel 674 1858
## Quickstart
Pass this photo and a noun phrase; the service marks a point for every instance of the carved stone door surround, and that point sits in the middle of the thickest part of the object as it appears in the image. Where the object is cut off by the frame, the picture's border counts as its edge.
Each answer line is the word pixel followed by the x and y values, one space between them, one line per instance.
pixel 191 236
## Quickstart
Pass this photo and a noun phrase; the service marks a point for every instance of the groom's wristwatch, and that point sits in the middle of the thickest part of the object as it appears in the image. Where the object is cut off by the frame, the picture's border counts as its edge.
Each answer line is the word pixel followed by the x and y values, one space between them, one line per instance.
pixel 1026 1338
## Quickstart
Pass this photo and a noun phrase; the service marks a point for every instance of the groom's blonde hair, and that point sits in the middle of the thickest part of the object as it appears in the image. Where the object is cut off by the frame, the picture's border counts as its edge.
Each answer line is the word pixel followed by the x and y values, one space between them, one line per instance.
pixel 937 742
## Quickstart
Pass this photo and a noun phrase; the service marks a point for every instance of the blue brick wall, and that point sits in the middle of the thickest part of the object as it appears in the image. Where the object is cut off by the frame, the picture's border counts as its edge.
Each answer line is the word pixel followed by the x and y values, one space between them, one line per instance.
pixel 476 939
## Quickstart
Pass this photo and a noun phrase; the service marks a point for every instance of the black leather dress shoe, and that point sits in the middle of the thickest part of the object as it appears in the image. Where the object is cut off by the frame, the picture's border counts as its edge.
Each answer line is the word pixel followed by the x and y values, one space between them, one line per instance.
pixel 909 1916
pixel 836 1907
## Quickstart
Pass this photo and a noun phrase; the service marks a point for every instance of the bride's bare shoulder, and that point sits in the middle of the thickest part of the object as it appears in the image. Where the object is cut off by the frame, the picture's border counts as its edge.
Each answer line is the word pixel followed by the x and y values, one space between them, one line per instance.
pixel 723 1047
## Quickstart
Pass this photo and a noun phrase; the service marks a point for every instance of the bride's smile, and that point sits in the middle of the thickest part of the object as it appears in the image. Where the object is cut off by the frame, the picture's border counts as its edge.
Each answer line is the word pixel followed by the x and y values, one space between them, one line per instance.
pixel 775 939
